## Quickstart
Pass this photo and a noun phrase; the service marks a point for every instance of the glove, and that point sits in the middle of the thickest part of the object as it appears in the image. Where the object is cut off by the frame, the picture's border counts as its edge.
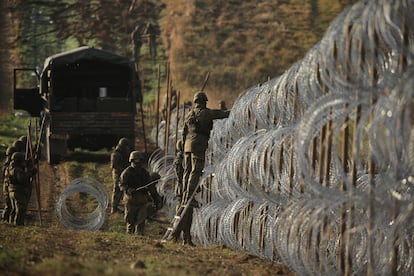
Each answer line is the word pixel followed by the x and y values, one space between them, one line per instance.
pixel 158 205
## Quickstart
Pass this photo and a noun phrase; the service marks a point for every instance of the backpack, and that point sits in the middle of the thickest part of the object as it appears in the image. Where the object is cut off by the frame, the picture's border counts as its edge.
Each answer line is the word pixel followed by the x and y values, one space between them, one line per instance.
pixel 193 122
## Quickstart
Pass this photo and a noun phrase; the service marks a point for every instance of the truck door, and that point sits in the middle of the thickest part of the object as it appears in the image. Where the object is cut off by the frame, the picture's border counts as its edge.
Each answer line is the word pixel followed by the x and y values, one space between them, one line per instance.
pixel 26 91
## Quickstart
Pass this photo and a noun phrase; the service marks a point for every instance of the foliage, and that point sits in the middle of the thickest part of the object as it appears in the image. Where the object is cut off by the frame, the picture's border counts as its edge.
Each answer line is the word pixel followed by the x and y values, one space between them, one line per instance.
pixel 11 128
pixel 242 43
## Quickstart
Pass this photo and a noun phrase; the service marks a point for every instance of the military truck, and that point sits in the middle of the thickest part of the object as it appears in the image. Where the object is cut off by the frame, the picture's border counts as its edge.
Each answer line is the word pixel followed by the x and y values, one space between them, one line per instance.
pixel 86 97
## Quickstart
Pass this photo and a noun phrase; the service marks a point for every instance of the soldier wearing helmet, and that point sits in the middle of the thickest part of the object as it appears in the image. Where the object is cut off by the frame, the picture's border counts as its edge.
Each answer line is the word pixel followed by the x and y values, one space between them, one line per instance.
pixel 23 138
pixel 7 202
pixel 119 162
pixel 196 133
pixel 20 187
pixel 20 145
pixel 140 193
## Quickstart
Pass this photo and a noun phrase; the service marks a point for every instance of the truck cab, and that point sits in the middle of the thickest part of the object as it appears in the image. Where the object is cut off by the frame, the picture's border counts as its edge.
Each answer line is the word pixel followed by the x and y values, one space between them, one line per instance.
pixel 87 97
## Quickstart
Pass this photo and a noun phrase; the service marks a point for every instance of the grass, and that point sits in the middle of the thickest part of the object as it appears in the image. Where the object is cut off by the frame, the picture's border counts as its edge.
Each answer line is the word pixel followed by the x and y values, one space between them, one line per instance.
pixel 11 128
pixel 55 251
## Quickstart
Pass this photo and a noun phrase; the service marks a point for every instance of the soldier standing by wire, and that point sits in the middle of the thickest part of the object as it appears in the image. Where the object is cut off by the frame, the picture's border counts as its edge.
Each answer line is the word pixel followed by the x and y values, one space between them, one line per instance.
pixel 7 201
pixel 179 191
pixel 151 32
pixel 20 187
pixel 196 133
pixel 119 162
pixel 140 194
pixel 20 145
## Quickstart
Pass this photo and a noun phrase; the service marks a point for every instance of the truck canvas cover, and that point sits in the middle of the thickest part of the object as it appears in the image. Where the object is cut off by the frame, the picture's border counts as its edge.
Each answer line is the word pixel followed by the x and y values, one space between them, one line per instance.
pixel 81 54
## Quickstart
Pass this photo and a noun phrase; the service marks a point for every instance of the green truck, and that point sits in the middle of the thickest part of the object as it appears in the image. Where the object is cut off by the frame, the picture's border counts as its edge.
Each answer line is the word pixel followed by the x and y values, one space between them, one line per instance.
pixel 86 98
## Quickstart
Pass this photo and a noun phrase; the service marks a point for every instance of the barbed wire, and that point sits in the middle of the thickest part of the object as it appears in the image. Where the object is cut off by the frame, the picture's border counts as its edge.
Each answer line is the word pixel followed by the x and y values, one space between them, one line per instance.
pixel 75 219
pixel 315 167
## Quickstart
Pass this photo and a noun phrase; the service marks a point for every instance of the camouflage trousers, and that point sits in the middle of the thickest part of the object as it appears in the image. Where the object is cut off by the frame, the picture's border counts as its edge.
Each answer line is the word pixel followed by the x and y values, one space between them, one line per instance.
pixel 193 169
pixel 137 209
pixel 19 202
pixel 116 192
pixel 7 206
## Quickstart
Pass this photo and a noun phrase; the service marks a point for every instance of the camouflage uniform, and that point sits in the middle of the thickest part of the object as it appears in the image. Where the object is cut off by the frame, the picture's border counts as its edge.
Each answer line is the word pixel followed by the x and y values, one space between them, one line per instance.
pixel 179 191
pixel 20 145
pixel 20 187
pixel 197 127
pixel 119 162
pixel 138 205
pixel 7 206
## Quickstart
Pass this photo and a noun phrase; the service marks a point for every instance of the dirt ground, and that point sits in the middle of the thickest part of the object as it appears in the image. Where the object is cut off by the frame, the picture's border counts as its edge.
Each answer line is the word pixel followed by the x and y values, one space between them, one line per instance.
pixel 45 247
pixel 120 254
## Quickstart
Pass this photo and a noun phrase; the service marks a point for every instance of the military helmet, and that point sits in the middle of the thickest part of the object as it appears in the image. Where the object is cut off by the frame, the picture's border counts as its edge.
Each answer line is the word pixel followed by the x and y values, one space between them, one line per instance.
pixel 10 150
pixel 136 155
pixel 19 145
pixel 18 157
pixel 124 142
pixel 200 96
pixel 23 138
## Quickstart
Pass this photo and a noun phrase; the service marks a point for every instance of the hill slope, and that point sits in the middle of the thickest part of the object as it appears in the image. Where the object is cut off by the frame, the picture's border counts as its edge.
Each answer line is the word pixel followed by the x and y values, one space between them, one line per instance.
pixel 242 43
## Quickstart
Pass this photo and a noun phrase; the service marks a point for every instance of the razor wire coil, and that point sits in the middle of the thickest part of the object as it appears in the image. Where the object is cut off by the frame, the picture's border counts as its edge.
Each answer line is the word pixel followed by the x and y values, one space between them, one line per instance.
pixel 72 219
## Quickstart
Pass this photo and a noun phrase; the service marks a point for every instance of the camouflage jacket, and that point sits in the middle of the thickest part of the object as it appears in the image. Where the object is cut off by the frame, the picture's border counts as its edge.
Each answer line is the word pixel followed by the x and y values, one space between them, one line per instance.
pixel 197 127
pixel 19 177
pixel 119 160
pixel 133 178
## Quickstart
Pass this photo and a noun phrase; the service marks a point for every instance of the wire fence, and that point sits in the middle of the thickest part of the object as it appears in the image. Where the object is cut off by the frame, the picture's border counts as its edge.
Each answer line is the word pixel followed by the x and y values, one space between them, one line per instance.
pixel 315 167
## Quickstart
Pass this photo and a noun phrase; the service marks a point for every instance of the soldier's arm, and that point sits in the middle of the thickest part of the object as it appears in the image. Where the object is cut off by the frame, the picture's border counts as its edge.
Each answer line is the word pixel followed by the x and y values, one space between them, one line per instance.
pixel 117 162
pixel 154 177
pixel 219 114
pixel 123 183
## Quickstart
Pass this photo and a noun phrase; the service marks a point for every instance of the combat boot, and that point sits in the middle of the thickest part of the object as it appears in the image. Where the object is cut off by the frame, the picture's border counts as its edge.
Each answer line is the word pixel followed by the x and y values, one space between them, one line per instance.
pixel 188 242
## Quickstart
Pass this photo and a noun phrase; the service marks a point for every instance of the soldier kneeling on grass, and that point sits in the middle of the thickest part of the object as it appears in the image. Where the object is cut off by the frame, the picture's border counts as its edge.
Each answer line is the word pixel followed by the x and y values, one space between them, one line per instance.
pixel 20 187
pixel 142 199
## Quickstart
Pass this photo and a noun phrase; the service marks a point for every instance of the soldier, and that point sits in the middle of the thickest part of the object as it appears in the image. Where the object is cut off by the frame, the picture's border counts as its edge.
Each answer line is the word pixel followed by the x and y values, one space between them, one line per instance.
pixel 179 191
pixel 196 133
pixel 151 32
pixel 7 202
pixel 20 145
pixel 20 187
pixel 137 41
pixel 137 184
pixel 23 138
pixel 119 162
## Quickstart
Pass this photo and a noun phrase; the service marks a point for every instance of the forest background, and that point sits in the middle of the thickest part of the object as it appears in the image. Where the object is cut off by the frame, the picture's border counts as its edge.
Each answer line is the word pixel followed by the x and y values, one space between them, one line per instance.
pixel 241 43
